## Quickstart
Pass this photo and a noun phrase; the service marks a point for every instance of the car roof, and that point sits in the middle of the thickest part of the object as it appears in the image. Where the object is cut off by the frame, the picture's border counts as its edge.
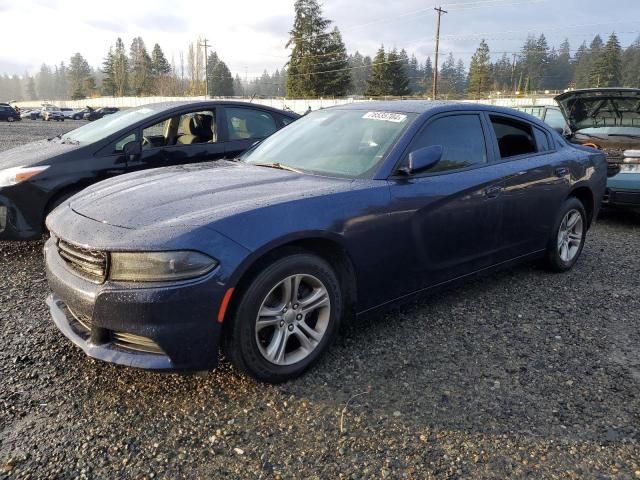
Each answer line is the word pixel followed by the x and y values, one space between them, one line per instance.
pixel 430 107
pixel 162 106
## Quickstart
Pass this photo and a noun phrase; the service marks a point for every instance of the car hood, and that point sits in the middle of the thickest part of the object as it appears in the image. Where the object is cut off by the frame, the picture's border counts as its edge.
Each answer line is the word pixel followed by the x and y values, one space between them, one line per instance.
pixel 195 195
pixel 604 107
pixel 35 153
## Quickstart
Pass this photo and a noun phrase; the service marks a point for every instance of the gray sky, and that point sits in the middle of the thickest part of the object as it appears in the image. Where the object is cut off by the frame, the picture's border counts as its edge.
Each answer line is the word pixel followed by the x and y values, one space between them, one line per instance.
pixel 249 35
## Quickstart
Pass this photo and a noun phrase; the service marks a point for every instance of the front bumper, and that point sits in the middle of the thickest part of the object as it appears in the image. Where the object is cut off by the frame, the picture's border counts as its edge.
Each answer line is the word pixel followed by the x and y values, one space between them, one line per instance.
pixel 623 190
pixel 165 327
pixel 15 224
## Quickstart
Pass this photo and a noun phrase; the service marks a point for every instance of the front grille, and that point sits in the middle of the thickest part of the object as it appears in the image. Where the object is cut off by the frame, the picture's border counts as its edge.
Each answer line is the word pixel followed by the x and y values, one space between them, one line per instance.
pixel 130 341
pixel 89 264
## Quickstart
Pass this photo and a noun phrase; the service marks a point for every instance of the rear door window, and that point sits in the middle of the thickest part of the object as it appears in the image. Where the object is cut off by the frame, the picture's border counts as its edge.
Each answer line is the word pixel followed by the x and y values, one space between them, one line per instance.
pixel 462 140
pixel 514 137
pixel 244 123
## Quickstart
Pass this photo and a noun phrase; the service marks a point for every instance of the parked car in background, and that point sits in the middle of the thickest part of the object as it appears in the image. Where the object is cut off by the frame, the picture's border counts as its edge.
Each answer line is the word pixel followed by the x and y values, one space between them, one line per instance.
pixel 26 113
pixel 51 112
pixel 79 114
pixel 8 113
pixel 348 209
pixel 609 119
pixel 38 176
pixel 550 115
pixel 99 113
pixel 68 112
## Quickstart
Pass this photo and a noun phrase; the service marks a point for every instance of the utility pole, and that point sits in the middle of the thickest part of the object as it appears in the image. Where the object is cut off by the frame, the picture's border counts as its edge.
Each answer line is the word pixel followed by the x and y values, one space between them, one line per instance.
pixel 435 70
pixel 513 74
pixel 206 45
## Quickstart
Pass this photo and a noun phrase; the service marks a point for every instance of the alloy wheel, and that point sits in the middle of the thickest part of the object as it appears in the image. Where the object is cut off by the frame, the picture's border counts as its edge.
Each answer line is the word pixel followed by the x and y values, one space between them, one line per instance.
pixel 292 319
pixel 570 235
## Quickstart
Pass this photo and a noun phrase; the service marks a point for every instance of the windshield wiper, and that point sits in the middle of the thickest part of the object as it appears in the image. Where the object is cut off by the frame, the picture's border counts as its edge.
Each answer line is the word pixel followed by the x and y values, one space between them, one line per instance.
pixel 279 166
pixel 630 135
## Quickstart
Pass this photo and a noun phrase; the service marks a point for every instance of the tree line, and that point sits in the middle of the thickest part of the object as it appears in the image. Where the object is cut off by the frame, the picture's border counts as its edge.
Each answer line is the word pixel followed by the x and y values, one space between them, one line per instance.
pixel 320 66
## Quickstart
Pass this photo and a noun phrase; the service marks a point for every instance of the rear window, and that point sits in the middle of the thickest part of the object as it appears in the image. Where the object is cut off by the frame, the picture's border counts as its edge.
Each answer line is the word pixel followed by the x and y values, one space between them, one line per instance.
pixel 514 137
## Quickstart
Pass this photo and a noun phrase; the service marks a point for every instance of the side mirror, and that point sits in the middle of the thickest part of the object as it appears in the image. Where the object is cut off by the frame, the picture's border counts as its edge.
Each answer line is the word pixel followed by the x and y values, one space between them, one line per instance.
pixel 423 159
pixel 132 149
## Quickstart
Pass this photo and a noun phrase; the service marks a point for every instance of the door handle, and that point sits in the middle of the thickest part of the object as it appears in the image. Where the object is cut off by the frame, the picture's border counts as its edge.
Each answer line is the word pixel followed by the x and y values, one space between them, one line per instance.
pixel 493 191
pixel 561 172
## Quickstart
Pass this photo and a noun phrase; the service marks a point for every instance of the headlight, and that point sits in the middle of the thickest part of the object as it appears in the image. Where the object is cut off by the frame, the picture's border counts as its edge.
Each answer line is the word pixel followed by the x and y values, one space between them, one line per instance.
pixel 159 266
pixel 15 175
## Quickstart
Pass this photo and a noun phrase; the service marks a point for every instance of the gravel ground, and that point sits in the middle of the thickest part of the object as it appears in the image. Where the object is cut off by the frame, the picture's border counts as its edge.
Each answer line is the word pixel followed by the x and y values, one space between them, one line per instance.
pixel 521 374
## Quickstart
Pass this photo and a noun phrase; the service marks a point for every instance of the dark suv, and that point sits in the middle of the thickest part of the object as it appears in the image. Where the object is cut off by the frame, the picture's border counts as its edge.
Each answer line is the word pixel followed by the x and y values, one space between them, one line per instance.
pixel 8 113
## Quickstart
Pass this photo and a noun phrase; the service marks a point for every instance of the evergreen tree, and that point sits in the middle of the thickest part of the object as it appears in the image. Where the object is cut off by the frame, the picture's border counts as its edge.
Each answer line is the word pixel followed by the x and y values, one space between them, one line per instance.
pixel 448 81
pixel 60 82
pixel 318 58
pixel 427 75
pixel 120 68
pixel 534 62
pixel 581 66
pixel 560 70
pixel 595 51
pixel 238 87
pixel 140 67
pixel 461 78
pixel 378 82
pixel 44 82
pixel 607 69
pixel 221 84
pixel 78 72
pixel 30 89
pixel 360 71
pixel 414 72
pixel 338 81
pixel 108 79
pixel 480 72
pixel 397 72
pixel 159 64
pixel 501 74
pixel 631 65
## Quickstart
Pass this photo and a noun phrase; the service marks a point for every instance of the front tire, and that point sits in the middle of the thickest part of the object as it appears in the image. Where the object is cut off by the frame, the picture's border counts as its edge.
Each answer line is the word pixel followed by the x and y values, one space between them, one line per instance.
pixel 10 119
pixel 568 236
pixel 285 318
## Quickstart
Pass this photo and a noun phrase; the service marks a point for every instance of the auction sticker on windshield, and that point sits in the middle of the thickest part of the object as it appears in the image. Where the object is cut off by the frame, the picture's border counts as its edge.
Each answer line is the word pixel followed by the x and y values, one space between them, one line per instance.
pixel 385 116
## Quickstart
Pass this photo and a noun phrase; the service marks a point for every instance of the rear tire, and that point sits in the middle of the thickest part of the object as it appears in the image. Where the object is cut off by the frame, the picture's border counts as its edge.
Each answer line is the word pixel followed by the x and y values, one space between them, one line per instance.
pixel 568 236
pixel 285 318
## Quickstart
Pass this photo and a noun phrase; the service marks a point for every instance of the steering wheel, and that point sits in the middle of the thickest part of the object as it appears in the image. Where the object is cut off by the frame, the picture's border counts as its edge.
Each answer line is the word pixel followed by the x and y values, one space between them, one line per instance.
pixel 146 141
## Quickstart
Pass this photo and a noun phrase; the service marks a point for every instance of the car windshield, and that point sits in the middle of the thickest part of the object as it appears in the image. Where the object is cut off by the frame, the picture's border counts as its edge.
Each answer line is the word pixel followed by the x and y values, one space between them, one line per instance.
pixel 341 143
pixel 106 126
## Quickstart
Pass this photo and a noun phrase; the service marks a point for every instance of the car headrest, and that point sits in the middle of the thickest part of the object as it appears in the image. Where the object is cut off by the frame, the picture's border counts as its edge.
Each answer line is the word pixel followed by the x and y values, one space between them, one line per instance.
pixel 187 126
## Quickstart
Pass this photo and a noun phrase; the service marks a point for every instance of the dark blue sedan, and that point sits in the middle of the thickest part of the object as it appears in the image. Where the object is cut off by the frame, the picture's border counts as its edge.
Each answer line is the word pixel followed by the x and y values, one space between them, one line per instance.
pixel 343 212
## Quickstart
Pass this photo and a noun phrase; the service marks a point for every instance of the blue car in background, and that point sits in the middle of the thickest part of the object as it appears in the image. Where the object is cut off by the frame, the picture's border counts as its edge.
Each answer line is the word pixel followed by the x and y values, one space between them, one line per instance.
pixel 346 210
pixel 609 119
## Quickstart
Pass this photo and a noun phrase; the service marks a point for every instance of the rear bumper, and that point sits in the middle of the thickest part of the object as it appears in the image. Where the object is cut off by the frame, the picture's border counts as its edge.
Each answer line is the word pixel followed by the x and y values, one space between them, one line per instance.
pixel 163 327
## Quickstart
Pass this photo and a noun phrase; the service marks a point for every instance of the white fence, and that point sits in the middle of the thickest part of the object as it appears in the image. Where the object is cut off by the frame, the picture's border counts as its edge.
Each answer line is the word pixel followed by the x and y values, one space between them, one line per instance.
pixel 297 105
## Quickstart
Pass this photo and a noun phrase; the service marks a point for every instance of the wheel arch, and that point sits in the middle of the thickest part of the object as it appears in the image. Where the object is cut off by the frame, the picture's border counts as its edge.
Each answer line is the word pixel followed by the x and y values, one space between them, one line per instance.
pixel 328 247
pixel 586 197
